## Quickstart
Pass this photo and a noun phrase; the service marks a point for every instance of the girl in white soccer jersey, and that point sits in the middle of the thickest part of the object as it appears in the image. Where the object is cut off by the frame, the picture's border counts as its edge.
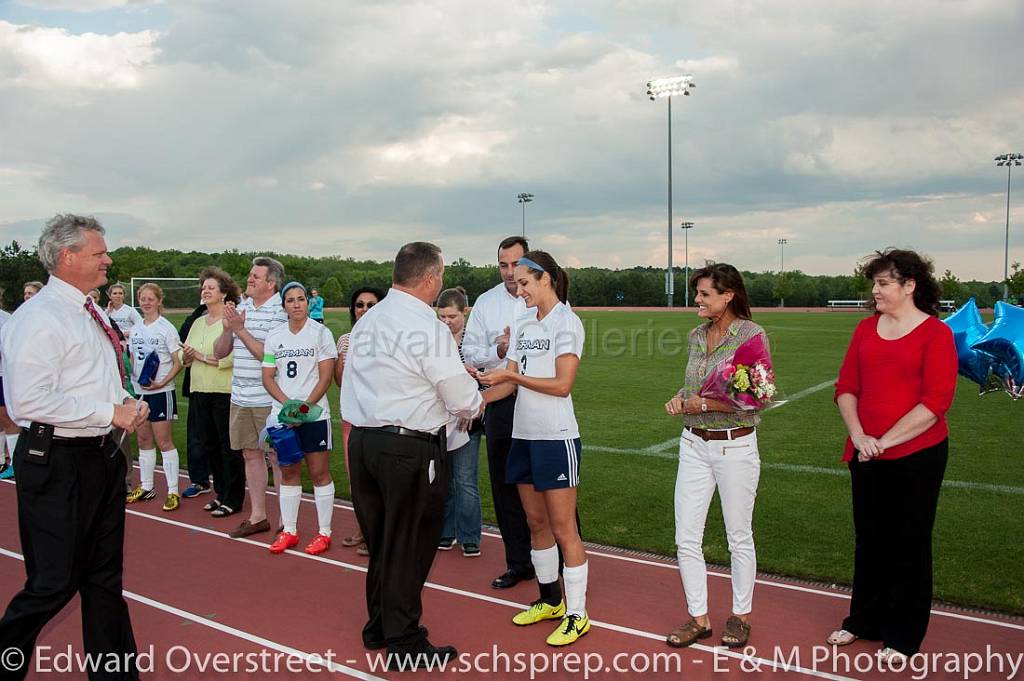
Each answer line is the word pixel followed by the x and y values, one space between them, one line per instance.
pixel 155 335
pixel 125 316
pixel 544 460
pixel 298 364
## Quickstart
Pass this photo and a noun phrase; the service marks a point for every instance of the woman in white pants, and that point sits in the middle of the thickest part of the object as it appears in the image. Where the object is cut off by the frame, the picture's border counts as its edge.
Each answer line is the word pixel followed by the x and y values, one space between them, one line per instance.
pixel 717 448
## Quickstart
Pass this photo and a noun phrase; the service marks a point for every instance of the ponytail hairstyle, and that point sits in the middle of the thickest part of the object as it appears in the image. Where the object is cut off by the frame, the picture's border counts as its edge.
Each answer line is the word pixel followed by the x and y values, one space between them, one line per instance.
pixel 559 277
pixel 156 291
pixel 453 297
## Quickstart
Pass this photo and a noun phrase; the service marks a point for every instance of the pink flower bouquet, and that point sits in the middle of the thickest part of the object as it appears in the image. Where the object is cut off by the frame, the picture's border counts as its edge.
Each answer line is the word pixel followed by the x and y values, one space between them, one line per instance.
pixel 746 381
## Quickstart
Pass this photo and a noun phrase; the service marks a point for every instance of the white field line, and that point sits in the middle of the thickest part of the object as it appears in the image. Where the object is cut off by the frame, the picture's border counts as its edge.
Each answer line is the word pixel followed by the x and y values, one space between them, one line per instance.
pixel 237 633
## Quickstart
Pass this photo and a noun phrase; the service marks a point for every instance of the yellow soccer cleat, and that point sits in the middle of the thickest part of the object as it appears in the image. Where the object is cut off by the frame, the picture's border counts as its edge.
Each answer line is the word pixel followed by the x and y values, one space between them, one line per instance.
pixel 172 503
pixel 139 494
pixel 570 630
pixel 538 612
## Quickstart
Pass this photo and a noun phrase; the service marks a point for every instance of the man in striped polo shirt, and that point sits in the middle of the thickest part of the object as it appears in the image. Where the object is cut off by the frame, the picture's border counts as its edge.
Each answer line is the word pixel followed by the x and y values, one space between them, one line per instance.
pixel 245 329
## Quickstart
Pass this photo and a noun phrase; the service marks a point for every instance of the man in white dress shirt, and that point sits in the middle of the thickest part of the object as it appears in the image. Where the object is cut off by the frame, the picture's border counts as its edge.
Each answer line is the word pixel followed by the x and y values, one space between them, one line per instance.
pixel 485 344
pixel 403 389
pixel 64 387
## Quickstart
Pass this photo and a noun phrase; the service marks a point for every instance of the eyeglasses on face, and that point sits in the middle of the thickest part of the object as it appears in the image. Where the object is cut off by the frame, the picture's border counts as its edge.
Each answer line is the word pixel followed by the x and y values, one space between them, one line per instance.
pixel 360 305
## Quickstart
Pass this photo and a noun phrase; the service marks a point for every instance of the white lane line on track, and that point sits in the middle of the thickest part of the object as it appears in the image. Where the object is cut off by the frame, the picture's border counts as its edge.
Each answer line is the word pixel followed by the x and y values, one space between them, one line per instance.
pixel 669 564
pixel 232 631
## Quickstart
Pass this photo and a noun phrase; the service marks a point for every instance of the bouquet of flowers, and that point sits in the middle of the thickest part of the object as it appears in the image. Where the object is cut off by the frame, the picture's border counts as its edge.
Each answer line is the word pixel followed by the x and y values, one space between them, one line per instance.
pixel 746 381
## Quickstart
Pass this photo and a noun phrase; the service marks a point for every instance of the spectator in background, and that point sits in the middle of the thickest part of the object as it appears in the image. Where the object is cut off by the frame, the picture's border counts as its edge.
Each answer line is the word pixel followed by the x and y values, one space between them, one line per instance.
pixel 245 329
pixel 361 301
pixel 316 306
pixel 125 316
pixel 462 507
pixel 95 295
pixel 156 336
pixel 210 400
pixel 32 288
pixel 9 427
pixel 895 385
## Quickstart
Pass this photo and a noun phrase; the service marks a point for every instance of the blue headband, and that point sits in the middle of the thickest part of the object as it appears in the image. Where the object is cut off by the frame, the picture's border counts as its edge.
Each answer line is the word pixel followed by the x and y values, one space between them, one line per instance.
pixel 289 285
pixel 531 264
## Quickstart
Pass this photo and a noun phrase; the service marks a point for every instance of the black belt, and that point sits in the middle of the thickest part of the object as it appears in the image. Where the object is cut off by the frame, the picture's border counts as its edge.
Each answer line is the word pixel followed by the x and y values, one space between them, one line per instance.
pixel 96 441
pixel 406 432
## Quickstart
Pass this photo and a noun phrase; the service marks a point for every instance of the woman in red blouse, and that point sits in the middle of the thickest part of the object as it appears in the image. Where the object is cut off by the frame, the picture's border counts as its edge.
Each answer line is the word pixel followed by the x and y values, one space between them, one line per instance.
pixel 895 386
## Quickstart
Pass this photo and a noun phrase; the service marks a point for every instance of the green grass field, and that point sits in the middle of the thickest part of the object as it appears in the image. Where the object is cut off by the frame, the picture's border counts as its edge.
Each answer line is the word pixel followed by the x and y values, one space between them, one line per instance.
pixel 633 363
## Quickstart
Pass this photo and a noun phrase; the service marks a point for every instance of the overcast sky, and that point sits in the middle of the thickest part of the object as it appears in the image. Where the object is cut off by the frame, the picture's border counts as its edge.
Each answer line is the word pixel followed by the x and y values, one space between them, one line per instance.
pixel 349 128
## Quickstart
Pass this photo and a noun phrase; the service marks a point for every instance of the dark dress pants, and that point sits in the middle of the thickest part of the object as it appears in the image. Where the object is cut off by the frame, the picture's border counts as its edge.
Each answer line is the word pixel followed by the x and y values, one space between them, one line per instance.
pixel 212 412
pixel 508 508
pixel 71 523
pixel 401 511
pixel 894 505
pixel 198 455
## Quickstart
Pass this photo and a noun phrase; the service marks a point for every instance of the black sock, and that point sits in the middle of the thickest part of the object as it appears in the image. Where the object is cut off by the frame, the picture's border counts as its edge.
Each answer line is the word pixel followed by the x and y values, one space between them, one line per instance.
pixel 551 593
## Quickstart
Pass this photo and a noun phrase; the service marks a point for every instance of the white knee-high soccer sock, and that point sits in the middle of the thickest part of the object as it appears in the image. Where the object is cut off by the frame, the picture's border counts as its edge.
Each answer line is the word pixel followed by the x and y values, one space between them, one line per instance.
pixel 12 442
pixel 147 465
pixel 324 500
pixel 171 458
pixel 290 498
pixel 575 589
pixel 545 564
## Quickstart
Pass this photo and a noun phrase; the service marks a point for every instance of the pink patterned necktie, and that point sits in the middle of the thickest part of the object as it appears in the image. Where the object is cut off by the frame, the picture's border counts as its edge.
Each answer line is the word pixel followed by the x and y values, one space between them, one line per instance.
pixel 110 333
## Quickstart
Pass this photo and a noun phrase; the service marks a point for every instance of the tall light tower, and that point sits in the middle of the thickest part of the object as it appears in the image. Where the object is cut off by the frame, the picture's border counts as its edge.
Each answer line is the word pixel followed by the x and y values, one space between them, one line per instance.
pixel 1008 160
pixel 782 268
pixel 524 199
pixel 656 89
pixel 687 226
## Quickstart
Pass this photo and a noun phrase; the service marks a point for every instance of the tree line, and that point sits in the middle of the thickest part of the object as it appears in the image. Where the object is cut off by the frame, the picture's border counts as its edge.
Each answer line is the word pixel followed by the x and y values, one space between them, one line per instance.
pixel 337 277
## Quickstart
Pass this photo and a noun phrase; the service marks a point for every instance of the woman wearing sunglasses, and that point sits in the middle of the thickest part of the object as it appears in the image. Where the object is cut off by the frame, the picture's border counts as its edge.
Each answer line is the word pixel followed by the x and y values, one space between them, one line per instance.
pixel 362 300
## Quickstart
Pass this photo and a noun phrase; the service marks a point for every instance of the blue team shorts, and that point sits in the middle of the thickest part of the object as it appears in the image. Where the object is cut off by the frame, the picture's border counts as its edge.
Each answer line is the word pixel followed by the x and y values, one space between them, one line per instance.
pixel 546 464
pixel 314 436
pixel 162 406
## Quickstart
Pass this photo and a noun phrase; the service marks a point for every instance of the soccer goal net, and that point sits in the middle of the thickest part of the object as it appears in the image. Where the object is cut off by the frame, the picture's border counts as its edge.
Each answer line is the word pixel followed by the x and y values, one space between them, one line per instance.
pixel 180 293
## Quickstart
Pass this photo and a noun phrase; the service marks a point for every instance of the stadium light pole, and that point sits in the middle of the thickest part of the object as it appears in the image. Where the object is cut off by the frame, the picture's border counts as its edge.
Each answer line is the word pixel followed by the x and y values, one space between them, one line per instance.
pixel 687 226
pixel 1008 160
pixel 782 268
pixel 656 89
pixel 524 199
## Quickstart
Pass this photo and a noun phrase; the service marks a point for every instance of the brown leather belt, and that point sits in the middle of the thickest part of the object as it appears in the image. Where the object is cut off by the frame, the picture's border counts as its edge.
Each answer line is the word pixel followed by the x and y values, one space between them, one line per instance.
pixel 730 434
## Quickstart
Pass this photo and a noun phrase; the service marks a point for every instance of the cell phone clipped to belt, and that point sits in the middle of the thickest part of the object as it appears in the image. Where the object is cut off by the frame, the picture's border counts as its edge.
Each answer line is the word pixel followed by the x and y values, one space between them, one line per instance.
pixel 40 441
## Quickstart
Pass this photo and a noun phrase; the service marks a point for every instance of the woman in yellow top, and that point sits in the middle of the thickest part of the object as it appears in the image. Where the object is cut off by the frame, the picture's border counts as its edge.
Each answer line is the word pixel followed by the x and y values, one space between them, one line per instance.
pixel 211 392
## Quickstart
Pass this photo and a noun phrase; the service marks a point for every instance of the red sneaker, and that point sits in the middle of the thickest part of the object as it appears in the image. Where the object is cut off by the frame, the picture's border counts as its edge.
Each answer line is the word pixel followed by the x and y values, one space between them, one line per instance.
pixel 319 544
pixel 284 542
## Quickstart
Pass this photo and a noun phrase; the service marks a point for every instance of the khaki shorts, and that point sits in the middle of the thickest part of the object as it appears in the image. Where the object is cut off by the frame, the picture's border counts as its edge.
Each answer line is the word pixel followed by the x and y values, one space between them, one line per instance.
pixel 244 426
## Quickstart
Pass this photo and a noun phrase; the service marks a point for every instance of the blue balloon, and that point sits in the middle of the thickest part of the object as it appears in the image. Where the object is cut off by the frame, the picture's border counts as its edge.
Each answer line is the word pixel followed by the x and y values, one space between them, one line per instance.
pixel 1004 342
pixel 968 328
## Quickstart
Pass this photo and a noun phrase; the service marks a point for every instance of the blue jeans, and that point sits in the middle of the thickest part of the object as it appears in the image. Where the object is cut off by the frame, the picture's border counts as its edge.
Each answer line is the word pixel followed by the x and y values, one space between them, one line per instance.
pixel 462 507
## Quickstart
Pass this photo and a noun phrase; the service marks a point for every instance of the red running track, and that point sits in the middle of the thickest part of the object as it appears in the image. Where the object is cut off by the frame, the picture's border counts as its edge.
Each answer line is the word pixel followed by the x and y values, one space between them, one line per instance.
pixel 200 598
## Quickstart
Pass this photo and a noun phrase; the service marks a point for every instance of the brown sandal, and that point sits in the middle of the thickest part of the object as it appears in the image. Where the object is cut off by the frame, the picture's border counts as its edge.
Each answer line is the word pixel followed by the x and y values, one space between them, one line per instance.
pixel 687 634
pixel 737 632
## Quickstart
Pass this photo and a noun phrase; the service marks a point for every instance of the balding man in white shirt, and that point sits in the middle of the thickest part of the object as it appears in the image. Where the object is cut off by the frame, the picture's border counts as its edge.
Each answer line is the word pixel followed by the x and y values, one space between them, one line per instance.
pixel 485 344
pixel 403 389
pixel 65 388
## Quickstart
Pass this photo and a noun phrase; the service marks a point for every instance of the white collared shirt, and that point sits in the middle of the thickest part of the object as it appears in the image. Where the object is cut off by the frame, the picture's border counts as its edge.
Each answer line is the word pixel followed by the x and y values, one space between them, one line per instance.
pixel 4 316
pixel 59 366
pixel 247 374
pixel 494 309
pixel 403 369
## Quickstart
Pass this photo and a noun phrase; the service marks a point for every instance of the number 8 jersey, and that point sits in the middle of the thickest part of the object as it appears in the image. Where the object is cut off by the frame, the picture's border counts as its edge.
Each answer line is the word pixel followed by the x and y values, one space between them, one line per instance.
pixel 297 357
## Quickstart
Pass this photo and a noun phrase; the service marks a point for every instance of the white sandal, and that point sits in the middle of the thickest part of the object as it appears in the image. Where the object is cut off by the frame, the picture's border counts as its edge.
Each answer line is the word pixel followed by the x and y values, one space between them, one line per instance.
pixel 841 637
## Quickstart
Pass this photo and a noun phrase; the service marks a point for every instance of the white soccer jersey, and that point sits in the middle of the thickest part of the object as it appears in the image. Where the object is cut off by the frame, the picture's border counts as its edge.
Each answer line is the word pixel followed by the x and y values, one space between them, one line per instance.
pixel 535 346
pixel 297 357
pixel 126 318
pixel 160 337
pixel 4 316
